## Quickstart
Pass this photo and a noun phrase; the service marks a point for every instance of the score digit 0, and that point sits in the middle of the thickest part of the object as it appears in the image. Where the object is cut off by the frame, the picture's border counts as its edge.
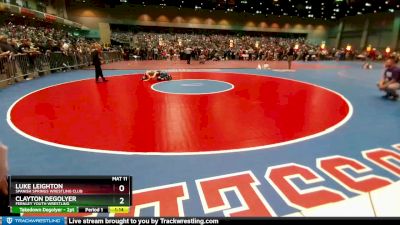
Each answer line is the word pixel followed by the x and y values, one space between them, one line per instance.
pixel 121 188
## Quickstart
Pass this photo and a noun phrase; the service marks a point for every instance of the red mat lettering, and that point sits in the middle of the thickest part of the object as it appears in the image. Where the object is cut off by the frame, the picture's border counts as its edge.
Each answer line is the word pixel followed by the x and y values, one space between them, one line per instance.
pixel 213 195
pixel 281 178
pixel 334 167
pixel 381 158
pixel 166 200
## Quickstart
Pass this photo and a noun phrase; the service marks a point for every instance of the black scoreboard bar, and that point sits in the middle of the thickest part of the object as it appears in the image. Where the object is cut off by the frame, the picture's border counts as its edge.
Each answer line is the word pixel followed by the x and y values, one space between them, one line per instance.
pixel 69 193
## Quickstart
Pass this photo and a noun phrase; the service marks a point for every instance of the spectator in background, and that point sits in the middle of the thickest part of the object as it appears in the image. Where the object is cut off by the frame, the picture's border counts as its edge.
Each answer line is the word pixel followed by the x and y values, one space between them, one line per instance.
pixel 390 81
pixel 202 58
pixel 215 46
pixel 4 46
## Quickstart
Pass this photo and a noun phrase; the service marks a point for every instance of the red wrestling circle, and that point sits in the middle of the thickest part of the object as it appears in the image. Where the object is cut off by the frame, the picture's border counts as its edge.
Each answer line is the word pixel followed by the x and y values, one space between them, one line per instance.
pixel 125 116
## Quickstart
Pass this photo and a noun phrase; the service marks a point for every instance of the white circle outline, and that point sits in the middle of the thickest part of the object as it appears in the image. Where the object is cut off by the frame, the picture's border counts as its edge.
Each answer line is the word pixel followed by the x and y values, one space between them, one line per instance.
pixel 212 152
pixel 205 93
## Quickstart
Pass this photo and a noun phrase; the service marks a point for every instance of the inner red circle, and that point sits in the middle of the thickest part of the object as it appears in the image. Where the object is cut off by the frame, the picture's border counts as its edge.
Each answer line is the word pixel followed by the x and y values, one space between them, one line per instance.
pixel 126 115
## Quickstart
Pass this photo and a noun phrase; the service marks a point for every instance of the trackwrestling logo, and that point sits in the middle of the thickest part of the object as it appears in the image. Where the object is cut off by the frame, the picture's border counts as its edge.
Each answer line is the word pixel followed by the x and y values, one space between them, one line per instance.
pixel 33 221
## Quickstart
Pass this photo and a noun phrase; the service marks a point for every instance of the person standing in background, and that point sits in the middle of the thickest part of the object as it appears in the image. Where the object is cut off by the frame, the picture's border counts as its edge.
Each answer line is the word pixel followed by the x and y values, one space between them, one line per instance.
pixel 188 53
pixel 96 59
pixel 290 55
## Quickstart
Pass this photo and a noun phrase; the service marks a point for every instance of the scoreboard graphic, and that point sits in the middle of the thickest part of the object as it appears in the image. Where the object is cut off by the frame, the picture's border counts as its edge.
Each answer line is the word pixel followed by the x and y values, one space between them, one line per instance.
pixel 70 194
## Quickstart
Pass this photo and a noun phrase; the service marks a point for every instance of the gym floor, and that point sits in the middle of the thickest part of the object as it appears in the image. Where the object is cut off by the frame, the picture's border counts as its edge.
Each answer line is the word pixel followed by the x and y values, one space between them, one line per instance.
pixel 236 141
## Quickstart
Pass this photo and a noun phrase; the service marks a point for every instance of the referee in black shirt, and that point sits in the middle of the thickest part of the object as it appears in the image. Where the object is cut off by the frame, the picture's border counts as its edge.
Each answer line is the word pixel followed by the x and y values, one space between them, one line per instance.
pixel 96 59
pixel 290 55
